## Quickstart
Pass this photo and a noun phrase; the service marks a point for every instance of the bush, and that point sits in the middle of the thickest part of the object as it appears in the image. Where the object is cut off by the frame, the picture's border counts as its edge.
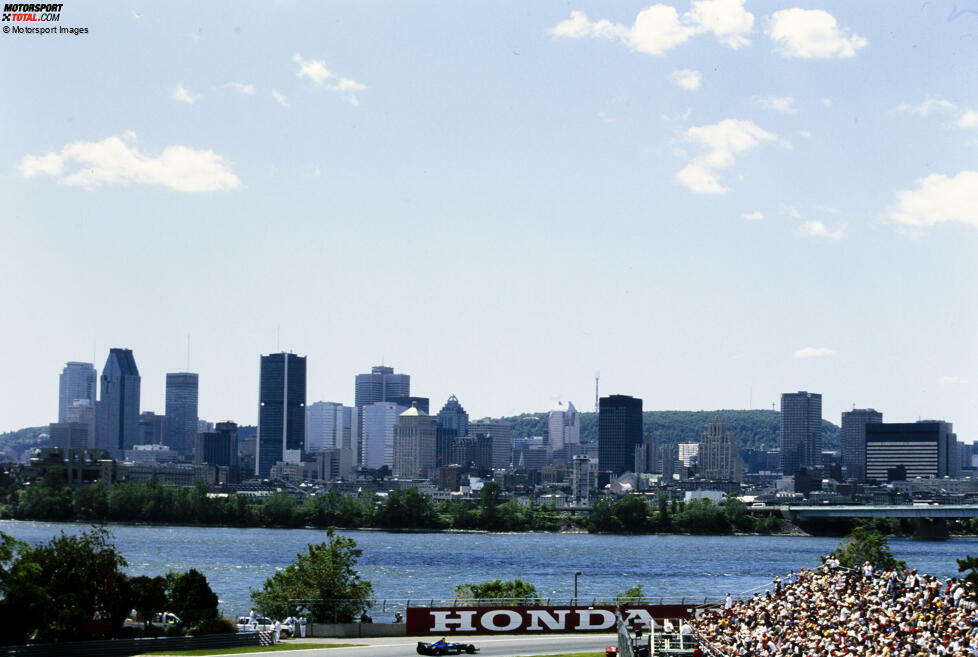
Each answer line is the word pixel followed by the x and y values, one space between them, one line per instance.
pixel 219 625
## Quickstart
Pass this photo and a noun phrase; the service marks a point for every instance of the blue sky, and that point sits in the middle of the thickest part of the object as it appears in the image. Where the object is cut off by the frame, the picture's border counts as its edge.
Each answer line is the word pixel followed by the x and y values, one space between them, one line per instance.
pixel 710 203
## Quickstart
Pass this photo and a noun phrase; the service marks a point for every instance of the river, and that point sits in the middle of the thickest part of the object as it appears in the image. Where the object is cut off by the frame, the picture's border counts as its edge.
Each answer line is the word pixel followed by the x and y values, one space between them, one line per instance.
pixel 426 566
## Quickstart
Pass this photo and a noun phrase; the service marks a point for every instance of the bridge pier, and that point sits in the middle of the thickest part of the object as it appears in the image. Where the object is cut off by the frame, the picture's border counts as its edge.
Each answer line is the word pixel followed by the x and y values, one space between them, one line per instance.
pixel 930 529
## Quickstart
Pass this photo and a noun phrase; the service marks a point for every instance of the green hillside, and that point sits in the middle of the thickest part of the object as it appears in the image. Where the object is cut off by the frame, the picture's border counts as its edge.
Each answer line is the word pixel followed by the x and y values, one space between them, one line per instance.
pixel 15 443
pixel 751 428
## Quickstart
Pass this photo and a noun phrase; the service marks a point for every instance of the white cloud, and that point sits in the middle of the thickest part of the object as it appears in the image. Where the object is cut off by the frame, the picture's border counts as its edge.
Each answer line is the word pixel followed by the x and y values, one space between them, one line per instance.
pixel 811 34
pixel 722 141
pixel 814 352
pixel 818 229
pixel 315 70
pixel 118 160
pixel 756 215
pixel 660 28
pixel 241 87
pixel 182 95
pixel 804 133
pixel 954 380
pixel 969 119
pixel 279 98
pixel 784 104
pixel 827 102
pixel 688 79
pixel 928 107
pixel 938 198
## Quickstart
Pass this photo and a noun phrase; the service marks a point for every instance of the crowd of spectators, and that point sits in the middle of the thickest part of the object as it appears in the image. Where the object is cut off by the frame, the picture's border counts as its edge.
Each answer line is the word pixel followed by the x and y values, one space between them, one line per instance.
pixel 836 612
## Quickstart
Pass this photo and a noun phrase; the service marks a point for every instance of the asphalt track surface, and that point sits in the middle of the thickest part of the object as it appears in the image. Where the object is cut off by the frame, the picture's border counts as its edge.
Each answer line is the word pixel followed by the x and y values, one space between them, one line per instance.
pixel 499 646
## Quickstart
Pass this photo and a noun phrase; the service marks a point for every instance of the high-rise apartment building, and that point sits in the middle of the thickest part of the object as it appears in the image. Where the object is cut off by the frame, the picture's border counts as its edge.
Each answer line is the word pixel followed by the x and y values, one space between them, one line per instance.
pixel 914 449
pixel 563 426
pixel 414 445
pixel 801 431
pixel 219 448
pixel 78 381
pixel 152 428
pixel 82 411
pixel 68 435
pixel 381 385
pixel 619 432
pixel 854 440
pixel 181 411
pixel 281 409
pixel 330 425
pixel 117 412
pixel 719 458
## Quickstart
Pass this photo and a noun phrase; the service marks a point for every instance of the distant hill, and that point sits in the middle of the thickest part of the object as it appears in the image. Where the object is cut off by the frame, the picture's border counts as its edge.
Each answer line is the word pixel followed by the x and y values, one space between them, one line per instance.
pixel 14 443
pixel 751 428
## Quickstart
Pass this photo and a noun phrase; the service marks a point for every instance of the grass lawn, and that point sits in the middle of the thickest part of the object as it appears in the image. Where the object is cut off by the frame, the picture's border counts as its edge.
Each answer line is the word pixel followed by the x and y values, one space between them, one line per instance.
pixel 247 649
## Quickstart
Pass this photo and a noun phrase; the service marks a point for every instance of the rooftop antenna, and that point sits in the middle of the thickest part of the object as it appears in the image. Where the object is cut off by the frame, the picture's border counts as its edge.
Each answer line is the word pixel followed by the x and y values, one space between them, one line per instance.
pixel 188 353
pixel 278 337
pixel 750 398
pixel 597 402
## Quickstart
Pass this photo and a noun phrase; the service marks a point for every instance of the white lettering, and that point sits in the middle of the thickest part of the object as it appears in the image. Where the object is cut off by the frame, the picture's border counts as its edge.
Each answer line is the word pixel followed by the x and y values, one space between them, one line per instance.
pixel 584 617
pixel 489 618
pixel 640 616
pixel 555 621
pixel 443 620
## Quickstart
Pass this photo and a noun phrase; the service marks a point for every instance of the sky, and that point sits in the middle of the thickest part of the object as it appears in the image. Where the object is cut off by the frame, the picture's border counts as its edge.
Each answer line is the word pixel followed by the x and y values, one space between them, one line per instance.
pixel 710 202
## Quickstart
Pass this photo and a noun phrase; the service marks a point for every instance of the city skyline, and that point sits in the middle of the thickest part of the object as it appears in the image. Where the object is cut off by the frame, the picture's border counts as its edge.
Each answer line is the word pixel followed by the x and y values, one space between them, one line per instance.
pixel 705 203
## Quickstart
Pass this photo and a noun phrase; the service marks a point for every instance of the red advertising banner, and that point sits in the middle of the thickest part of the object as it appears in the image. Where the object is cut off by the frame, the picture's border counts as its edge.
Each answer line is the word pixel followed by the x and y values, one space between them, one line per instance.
pixel 530 620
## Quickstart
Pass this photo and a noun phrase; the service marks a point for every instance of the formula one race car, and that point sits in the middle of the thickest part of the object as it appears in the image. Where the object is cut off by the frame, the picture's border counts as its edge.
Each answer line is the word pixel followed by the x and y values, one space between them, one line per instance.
pixel 442 647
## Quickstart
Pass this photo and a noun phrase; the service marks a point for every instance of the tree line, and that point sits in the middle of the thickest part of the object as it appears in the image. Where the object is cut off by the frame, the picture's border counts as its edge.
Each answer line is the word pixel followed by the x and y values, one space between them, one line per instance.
pixel 50 499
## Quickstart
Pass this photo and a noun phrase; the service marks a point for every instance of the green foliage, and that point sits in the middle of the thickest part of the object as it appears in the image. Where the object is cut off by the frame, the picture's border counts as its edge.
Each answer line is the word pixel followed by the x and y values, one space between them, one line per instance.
pixel 970 564
pixel 864 544
pixel 324 578
pixel 148 596
pixel 15 443
pixel 701 516
pixel 407 509
pixel 624 515
pixel 191 598
pixel 633 596
pixel 510 593
pixel 55 591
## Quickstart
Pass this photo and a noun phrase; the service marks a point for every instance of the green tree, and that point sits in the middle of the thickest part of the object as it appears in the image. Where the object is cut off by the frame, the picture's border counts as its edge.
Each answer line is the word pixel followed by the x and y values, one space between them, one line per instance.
pixel 512 593
pixel 701 516
pixel 324 579
pixel 407 509
pixel 736 512
pixel 148 596
pixel 970 564
pixel 192 599
pixel 864 544
pixel 71 587
pixel 633 596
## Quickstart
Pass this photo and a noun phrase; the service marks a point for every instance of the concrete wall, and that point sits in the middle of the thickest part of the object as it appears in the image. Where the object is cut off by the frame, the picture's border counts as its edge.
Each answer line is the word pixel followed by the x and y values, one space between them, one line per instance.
pixel 356 630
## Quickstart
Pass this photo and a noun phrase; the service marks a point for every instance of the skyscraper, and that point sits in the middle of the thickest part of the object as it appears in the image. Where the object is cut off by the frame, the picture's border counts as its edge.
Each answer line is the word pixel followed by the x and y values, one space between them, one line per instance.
pixel 563 426
pixel 414 444
pixel 377 431
pixel 719 458
pixel 77 381
pixel 502 440
pixel 181 411
pixel 330 426
pixel 82 411
pixel 453 416
pixel 854 440
pixel 381 385
pixel 619 432
pixel 801 431
pixel 281 409
pixel 928 448
pixel 152 428
pixel 118 407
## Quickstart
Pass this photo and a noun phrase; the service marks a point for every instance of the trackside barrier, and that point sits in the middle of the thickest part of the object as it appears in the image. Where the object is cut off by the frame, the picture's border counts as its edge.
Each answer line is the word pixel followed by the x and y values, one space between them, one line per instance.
pixel 112 647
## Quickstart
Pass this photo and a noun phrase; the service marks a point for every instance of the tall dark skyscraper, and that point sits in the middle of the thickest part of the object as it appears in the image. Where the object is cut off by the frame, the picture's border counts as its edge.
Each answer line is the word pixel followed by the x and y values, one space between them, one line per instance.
pixel 118 407
pixel 381 385
pixel 801 431
pixel 854 440
pixel 619 432
pixel 181 411
pixel 77 381
pixel 925 449
pixel 281 409
pixel 453 416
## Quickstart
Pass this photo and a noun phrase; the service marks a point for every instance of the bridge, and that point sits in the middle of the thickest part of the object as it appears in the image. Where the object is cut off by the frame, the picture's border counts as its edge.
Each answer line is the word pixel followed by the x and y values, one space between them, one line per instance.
pixel 931 519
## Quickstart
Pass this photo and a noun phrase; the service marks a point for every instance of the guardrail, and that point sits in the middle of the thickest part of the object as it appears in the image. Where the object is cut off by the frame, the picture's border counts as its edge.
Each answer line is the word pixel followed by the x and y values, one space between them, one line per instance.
pixel 121 647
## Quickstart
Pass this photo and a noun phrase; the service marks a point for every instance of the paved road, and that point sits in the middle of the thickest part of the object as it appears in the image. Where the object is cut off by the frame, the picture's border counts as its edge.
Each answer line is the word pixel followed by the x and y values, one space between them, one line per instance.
pixel 508 646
